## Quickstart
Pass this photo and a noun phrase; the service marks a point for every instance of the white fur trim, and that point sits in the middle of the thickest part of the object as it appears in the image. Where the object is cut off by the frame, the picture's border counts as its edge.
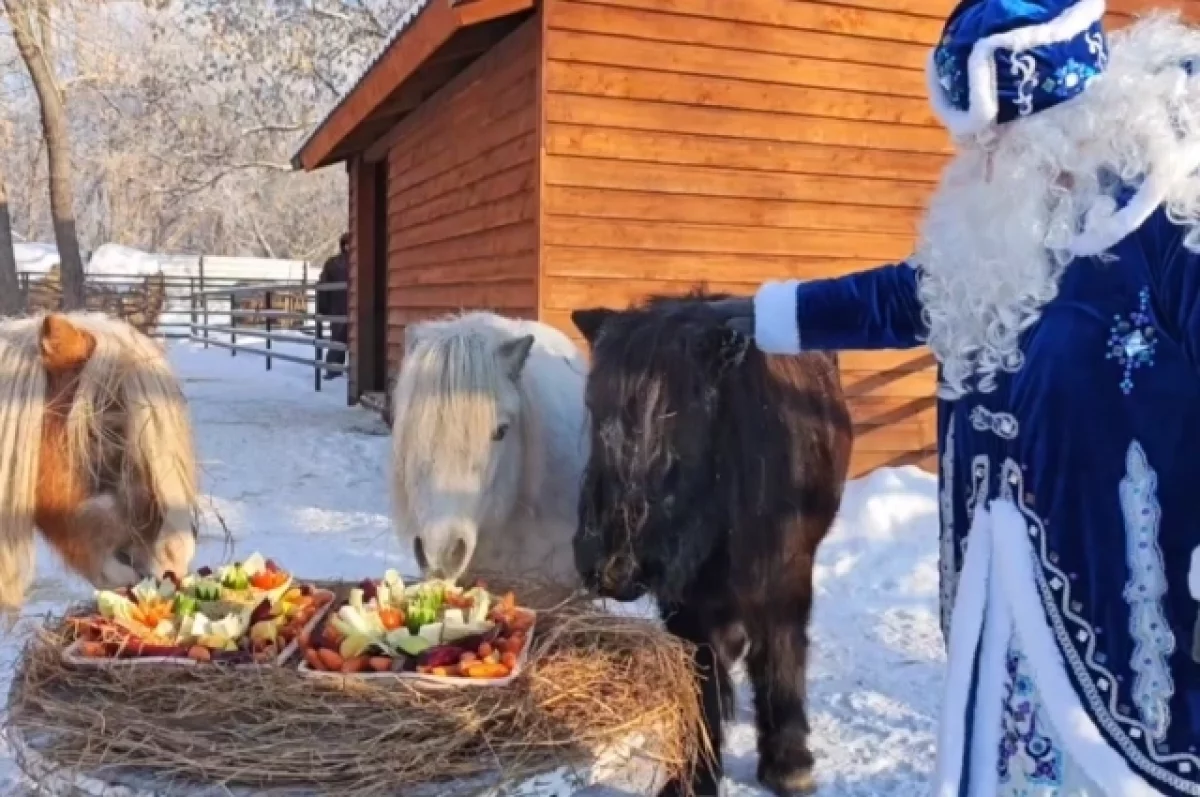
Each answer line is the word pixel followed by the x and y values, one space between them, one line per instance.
pixel 776 328
pixel 1194 575
pixel 983 104
pixel 1100 236
pixel 989 694
pixel 966 624
pixel 1074 726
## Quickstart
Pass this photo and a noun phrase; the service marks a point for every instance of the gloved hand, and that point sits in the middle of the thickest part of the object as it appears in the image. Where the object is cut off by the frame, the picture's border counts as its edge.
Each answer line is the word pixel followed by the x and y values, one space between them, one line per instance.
pixel 736 313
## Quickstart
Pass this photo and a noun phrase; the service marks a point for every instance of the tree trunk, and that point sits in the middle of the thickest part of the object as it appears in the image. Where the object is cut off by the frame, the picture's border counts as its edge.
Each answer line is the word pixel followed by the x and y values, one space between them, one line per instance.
pixel 10 289
pixel 58 148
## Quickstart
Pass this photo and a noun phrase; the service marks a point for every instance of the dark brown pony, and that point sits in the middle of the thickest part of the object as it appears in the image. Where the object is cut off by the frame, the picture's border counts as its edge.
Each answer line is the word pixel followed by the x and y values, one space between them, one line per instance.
pixel 715 472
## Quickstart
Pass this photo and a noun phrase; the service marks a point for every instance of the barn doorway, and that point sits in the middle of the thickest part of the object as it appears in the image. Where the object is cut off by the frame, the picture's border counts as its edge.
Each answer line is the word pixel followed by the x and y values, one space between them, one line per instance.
pixel 379 299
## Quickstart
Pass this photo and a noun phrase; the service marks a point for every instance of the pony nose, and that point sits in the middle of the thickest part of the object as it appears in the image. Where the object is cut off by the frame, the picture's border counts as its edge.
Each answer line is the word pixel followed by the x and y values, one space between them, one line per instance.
pixel 449 561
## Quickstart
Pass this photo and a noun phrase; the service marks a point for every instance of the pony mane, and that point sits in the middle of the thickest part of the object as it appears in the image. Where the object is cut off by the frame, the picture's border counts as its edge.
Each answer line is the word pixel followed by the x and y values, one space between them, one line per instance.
pixel 22 406
pixel 128 373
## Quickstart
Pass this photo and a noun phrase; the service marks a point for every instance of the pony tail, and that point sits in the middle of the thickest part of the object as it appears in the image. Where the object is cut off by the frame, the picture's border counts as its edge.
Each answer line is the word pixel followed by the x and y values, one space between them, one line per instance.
pixel 22 407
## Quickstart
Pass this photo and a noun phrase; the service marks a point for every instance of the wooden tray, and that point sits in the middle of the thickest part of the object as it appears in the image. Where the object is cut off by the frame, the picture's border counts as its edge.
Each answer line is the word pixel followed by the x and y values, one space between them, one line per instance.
pixel 444 682
pixel 71 654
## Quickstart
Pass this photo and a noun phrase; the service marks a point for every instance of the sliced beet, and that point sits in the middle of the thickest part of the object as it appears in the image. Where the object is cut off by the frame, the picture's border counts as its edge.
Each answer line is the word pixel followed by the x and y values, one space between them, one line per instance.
pixel 204 572
pixel 261 612
pixel 370 590
pixel 271 566
pixel 306 590
pixel 440 656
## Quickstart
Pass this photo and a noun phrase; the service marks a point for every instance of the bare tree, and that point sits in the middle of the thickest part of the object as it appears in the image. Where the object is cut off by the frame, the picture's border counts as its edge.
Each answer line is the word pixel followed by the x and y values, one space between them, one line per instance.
pixel 33 34
pixel 10 290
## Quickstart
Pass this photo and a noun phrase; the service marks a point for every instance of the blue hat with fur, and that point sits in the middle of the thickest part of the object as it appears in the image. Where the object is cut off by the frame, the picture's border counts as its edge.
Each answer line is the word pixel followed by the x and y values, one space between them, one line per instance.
pixel 1000 60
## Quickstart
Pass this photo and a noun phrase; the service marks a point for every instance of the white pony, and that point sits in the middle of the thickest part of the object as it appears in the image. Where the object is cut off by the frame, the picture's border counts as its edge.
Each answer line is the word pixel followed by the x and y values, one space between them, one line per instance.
pixel 488 446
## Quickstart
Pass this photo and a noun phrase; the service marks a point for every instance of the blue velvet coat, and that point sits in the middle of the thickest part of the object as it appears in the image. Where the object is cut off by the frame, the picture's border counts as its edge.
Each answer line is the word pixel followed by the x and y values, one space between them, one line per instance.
pixel 1095 442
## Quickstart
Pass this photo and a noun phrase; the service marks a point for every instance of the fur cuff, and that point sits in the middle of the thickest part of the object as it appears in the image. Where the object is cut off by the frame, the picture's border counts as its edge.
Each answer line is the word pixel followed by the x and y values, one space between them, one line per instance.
pixel 776 328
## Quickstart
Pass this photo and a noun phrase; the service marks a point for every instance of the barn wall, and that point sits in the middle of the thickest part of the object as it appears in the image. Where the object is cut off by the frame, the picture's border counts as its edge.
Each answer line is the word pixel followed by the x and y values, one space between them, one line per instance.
pixel 462 194
pixel 690 140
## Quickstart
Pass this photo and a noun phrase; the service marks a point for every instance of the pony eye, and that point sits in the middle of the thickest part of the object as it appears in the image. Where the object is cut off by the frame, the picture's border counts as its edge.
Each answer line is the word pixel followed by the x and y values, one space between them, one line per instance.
pixel 501 430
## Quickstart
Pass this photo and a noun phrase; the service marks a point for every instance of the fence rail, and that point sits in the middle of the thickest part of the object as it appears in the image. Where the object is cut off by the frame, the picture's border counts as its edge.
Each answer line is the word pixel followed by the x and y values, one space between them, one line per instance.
pixel 222 311
pixel 263 322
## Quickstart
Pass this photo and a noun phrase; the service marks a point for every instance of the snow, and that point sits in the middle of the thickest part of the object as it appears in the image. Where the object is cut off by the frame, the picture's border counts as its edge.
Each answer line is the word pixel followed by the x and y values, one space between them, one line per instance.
pixel 300 476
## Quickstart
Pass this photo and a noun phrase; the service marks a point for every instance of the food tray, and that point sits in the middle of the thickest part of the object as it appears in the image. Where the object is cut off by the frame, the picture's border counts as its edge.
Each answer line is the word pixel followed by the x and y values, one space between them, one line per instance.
pixel 71 654
pixel 439 681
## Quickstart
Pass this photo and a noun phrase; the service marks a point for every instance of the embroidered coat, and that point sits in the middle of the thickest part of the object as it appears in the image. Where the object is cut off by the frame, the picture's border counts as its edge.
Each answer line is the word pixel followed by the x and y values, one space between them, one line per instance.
pixel 1070 511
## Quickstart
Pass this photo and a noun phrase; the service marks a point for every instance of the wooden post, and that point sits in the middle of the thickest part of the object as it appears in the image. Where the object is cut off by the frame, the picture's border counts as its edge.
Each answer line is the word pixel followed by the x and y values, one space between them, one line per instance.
pixel 195 301
pixel 203 302
pixel 317 358
pixel 267 301
pixel 232 326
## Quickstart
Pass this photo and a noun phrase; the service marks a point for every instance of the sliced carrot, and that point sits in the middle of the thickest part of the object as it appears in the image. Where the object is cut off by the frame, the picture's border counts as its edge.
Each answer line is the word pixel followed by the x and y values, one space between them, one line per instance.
pixel 379 663
pixel 313 658
pixel 487 670
pixel 354 664
pixel 331 659
pixel 391 618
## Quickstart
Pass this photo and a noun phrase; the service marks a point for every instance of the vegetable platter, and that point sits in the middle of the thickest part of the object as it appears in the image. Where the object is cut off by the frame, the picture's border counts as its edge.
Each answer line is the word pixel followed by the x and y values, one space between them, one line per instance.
pixel 431 631
pixel 249 613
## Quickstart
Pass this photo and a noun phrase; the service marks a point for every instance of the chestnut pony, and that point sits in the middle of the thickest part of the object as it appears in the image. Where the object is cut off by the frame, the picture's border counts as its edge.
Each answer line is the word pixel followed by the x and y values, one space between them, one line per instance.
pixel 715 472
pixel 95 452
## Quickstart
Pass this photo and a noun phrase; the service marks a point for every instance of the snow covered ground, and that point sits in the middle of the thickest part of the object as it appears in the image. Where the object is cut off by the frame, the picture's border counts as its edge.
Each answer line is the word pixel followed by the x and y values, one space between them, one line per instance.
pixel 301 476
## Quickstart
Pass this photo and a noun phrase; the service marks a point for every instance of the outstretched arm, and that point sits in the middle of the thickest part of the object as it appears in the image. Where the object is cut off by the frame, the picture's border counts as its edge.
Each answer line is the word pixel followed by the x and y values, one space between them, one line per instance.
pixel 874 309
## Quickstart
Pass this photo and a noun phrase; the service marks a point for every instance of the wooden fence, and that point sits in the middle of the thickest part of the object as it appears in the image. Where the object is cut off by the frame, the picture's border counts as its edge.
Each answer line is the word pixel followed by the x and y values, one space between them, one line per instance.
pixel 271 313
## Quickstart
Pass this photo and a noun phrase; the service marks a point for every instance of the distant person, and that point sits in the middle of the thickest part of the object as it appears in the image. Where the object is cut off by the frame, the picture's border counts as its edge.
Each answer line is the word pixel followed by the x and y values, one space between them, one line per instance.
pixel 333 302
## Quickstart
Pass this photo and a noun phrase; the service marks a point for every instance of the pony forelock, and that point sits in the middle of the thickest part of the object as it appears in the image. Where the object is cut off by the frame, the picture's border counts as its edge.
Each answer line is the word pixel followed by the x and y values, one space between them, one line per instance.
pixel 130 369
pixel 446 400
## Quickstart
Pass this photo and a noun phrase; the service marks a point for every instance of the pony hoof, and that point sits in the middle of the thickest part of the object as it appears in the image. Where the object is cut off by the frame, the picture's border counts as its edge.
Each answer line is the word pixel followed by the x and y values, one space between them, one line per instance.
pixel 797 783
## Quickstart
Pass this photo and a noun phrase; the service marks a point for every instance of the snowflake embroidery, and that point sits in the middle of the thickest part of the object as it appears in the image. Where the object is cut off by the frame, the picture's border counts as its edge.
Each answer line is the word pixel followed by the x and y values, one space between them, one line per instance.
pixel 1028 755
pixel 1132 341
pixel 1069 79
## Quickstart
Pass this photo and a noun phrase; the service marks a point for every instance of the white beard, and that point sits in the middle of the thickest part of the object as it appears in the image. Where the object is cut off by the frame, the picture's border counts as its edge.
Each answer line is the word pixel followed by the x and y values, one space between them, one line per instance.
pixel 996 240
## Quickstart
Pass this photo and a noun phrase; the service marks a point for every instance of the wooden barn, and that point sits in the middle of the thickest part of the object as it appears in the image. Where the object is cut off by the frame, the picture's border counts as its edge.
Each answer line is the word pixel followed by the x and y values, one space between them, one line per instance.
pixel 536 156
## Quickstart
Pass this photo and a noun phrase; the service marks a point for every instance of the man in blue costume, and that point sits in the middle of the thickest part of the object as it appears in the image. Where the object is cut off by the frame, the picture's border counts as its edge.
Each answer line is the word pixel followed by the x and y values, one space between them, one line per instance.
pixel 1057 280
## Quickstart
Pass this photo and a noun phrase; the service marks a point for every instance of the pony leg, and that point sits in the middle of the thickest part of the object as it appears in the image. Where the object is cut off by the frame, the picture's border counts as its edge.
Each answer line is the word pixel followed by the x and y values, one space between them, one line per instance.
pixel 687 623
pixel 777 664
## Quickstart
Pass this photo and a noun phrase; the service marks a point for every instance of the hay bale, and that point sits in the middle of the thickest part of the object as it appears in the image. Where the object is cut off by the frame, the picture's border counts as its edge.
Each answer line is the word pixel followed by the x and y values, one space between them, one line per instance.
pixel 592 680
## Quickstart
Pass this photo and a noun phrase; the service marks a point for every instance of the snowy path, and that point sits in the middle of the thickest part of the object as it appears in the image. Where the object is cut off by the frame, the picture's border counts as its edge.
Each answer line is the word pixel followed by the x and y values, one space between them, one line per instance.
pixel 301 476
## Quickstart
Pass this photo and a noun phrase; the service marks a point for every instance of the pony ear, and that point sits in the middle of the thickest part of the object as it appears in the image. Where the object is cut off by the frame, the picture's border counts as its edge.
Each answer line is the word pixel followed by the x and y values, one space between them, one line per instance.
pixel 64 345
pixel 729 348
pixel 589 321
pixel 513 354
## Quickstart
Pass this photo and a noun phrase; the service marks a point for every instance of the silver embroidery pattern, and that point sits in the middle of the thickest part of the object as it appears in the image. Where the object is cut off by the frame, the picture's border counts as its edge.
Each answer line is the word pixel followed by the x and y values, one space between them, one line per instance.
pixel 1129 734
pixel 1153 640
pixel 1025 68
pixel 981 467
pixel 948 564
pixel 1001 424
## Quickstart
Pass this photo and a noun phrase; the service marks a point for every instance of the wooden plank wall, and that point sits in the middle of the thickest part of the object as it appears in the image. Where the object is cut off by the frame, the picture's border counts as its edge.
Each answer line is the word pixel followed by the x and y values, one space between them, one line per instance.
pixel 734 141
pixel 462 194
